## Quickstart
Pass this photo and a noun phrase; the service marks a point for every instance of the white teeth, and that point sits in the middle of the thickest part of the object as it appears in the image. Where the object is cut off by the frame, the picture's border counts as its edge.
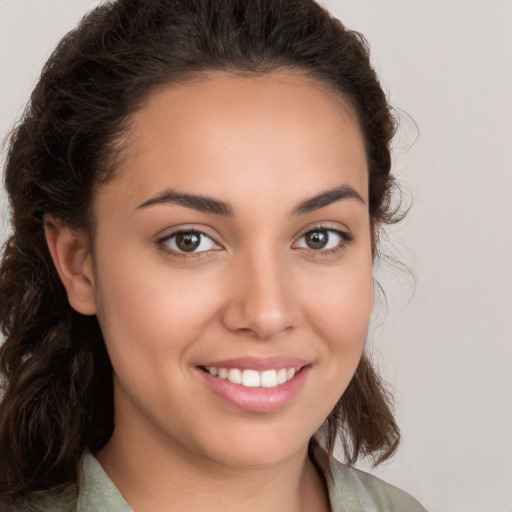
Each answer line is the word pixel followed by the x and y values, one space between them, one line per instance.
pixel 235 376
pixel 281 376
pixel 253 378
pixel 268 379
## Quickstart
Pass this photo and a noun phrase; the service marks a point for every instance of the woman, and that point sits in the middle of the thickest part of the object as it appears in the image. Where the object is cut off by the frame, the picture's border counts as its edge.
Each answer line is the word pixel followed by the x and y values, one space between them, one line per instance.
pixel 197 189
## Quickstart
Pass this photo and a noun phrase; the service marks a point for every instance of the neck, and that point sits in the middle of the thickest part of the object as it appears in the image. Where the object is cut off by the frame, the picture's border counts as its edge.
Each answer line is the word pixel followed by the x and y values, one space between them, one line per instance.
pixel 151 475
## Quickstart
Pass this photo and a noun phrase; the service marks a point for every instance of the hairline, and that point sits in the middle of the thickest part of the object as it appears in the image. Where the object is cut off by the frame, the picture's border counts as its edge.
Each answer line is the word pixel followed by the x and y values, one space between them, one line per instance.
pixel 120 148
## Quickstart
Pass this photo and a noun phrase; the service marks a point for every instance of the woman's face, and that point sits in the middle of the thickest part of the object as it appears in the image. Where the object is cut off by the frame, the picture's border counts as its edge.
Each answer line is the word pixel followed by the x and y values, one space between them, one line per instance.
pixel 234 245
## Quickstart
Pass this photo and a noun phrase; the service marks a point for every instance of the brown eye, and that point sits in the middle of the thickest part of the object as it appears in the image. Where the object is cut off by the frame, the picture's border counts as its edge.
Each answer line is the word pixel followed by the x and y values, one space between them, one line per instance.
pixel 188 242
pixel 323 240
pixel 317 239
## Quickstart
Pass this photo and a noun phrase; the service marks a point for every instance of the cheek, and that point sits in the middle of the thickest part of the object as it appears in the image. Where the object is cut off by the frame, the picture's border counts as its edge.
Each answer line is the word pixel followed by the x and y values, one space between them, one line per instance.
pixel 151 323
pixel 339 314
pixel 147 312
pixel 341 311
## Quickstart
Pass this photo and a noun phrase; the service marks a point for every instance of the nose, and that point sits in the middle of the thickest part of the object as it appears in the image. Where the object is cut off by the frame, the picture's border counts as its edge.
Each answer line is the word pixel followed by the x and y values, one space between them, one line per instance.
pixel 261 300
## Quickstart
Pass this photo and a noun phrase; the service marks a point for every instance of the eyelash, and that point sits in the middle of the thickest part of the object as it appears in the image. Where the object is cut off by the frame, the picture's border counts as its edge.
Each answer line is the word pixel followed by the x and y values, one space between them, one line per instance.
pixel 162 244
pixel 345 239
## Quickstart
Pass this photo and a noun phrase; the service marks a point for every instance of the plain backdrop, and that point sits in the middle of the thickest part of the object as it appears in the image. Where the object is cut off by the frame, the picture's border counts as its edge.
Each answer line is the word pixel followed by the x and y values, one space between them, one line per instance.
pixel 446 346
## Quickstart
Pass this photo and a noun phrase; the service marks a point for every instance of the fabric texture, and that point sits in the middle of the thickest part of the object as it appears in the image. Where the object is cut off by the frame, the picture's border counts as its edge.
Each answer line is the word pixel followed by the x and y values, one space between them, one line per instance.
pixel 350 490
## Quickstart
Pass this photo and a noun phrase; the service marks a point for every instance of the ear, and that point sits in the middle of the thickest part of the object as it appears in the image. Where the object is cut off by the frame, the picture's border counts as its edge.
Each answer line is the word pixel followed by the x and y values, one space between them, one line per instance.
pixel 72 258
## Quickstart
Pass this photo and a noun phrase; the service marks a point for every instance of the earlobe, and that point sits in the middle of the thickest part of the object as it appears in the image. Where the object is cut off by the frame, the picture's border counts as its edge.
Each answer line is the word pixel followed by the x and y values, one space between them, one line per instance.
pixel 73 260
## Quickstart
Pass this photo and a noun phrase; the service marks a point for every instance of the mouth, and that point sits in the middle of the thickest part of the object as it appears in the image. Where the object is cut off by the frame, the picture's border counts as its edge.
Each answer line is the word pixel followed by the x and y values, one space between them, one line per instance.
pixel 253 378
pixel 256 385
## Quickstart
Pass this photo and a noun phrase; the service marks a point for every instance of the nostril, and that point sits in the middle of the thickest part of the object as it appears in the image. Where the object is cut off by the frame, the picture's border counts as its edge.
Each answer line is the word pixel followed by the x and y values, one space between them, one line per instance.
pixel 259 303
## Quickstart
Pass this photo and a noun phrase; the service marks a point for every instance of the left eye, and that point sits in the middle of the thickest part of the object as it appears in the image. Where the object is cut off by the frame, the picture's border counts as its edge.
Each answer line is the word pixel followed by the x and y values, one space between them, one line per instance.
pixel 189 241
pixel 320 239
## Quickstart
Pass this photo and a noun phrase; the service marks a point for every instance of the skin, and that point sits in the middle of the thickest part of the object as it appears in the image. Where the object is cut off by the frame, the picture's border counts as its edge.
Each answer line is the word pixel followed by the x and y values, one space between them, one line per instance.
pixel 264 145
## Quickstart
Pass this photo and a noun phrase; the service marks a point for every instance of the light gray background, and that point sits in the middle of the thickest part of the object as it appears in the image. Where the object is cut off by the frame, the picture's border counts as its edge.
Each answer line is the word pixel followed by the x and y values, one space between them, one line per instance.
pixel 447 349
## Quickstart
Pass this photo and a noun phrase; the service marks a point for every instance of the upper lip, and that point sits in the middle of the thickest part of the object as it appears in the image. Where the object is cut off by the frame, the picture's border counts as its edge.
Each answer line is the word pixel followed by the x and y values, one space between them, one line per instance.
pixel 258 363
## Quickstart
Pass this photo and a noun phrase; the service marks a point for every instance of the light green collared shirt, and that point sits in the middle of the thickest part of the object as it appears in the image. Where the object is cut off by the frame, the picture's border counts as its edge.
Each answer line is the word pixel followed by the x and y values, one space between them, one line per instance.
pixel 350 490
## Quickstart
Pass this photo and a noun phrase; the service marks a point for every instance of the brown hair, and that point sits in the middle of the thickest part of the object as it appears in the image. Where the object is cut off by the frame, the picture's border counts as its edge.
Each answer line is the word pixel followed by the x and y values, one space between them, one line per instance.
pixel 57 392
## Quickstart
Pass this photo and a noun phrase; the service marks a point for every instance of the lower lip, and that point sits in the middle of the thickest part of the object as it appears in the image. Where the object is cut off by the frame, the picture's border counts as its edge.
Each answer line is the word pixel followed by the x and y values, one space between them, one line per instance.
pixel 257 399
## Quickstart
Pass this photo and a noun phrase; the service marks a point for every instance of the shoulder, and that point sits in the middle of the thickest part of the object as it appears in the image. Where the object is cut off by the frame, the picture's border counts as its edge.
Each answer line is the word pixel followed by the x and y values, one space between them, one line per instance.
pixel 96 492
pixel 368 492
pixel 353 490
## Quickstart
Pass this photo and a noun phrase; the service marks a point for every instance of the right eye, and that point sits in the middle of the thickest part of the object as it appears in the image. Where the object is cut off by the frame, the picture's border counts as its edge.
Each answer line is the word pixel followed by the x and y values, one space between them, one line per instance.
pixel 190 241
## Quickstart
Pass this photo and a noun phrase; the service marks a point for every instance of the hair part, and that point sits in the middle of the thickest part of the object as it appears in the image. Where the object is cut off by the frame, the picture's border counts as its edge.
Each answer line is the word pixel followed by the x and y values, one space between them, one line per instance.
pixel 56 387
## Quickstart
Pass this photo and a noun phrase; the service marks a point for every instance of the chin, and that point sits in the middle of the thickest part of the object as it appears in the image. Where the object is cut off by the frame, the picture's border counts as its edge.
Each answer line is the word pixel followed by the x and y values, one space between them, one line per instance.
pixel 255 446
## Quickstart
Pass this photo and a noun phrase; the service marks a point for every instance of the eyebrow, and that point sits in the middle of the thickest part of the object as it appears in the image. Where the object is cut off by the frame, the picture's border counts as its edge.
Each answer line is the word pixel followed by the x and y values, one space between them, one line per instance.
pixel 201 203
pixel 326 198
pixel 209 205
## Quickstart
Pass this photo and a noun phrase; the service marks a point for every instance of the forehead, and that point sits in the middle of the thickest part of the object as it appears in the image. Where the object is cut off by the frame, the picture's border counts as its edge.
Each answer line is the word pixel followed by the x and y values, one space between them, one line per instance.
pixel 225 135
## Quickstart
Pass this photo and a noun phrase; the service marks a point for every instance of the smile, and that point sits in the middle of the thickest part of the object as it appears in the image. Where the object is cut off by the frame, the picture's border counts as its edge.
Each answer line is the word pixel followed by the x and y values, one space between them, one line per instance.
pixel 255 384
pixel 253 378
